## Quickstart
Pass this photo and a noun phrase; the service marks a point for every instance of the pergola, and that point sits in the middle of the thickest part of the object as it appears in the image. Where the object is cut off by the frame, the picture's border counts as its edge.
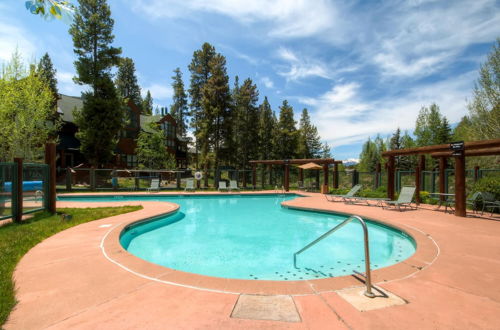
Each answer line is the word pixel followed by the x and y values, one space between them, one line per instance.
pixel 287 162
pixel 457 150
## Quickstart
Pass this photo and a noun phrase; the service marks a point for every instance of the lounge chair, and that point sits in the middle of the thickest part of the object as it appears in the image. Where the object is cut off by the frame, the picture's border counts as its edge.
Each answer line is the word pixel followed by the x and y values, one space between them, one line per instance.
pixel 342 198
pixel 155 185
pixel 475 201
pixel 405 199
pixel 222 186
pixel 366 200
pixel 233 185
pixel 300 185
pixel 189 185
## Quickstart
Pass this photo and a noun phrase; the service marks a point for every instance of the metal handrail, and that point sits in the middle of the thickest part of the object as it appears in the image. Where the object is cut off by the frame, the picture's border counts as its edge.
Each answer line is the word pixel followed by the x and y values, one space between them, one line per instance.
pixel 368 280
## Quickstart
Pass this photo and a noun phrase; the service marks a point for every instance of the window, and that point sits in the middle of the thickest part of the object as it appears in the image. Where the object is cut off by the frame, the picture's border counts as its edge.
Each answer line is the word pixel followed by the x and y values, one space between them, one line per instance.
pixel 132 161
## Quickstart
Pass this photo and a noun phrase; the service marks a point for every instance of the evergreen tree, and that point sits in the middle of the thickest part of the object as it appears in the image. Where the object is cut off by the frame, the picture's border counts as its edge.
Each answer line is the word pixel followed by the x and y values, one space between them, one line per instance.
pixel 286 133
pixel 395 144
pixel 126 82
pixel 245 122
pixel 326 151
pixel 369 157
pixel 147 104
pixel 216 105
pixel 431 127
pixel 200 72
pixel 47 72
pixel 267 124
pixel 462 131
pixel 407 162
pixel 101 117
pixel 151 151
pixel 179 108
pixel 445 133
pixel 309 141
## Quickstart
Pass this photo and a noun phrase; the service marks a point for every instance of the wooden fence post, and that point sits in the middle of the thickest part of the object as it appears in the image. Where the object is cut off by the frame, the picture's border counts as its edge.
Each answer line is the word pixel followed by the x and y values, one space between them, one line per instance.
pixel 17 191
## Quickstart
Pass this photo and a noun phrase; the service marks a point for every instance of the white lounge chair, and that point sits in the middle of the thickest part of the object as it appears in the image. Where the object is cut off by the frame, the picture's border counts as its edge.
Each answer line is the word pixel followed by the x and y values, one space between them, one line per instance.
pixel 222 186
pixel 189 185
pixel 233 185
pixel 343 198
pixel 405 199
pixel 155 185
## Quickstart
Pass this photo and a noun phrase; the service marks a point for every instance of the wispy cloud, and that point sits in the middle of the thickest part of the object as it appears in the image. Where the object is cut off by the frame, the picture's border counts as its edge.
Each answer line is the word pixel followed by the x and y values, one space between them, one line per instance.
pixel 299 67
pixel 158 91
pixel 267 82
pixel 13 36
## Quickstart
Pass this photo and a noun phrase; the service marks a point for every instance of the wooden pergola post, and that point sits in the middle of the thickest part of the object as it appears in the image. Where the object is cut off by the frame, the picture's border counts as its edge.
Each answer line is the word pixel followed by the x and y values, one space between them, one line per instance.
pixel 336 176
pixel 417 184
pixel 287 177
pixel 378 169
pixel 270 170
pixel 476 173
pixel 460 207
pixel 324 190
pixel 421 164
pixel 442 177
pixel 254 176
pixel 390 177
pixel 50 159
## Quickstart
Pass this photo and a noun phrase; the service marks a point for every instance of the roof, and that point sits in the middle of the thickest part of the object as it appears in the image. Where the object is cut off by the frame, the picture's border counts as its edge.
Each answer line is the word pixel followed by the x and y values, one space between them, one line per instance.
pixel 66 106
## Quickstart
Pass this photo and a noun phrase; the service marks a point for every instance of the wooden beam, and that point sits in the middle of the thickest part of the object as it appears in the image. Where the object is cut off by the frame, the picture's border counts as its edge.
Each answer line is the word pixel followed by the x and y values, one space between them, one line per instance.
pixel 474 145
pixel 417 184
pixel 469 153
pixel 335 175
pixel 460 207
pixel 325 178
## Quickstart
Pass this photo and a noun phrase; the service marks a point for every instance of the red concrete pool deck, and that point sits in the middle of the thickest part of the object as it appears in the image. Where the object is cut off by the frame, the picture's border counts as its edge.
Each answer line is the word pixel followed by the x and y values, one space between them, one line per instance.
pixel 82 278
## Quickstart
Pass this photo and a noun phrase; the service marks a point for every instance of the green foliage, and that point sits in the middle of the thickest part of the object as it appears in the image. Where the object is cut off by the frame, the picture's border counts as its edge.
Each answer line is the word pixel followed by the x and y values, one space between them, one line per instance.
pixel 245 122
pixel 326 151
pixel 407 162
pixel 488 184
pixel 147 104
pixel 287 135
pixel 102 115
pixel 216 106
pixel 49 9
pixel 16 239
pixel 151 150
pixel 267 125
pixel 26 112
pixel 431 127
pixel 309 141
pixel 126 82
pixel 484 110
pixel 179 108
pixel 371 154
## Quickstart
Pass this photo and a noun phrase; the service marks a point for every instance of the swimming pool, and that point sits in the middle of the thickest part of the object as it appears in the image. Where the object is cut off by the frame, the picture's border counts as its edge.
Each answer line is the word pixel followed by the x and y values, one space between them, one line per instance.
pixel 253 237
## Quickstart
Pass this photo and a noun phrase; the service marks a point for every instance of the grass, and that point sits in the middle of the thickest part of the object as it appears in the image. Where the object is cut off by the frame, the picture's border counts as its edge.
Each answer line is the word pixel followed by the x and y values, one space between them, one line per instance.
pixel 16 239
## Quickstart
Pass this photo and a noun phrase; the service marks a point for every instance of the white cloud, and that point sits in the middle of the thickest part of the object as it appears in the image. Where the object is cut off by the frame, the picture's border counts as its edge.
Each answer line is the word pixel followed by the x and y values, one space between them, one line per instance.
pixel 299 67
pixel 65 84
pixel 12 37
pixel 158 91
pixel 343 117
pixel 267 82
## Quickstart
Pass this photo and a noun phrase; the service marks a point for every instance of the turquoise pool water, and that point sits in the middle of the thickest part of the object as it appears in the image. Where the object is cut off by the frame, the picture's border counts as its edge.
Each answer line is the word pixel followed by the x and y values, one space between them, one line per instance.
pixel 253 237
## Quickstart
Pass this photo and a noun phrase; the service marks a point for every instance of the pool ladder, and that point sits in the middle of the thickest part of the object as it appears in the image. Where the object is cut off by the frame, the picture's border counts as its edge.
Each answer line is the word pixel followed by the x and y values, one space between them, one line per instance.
pixel 368 280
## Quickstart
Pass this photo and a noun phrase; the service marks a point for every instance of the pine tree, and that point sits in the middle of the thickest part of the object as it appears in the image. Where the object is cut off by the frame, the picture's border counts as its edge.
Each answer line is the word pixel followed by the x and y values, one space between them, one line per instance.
pixel 395 142
pixel 326 151
pixel 267 124
pixel 287 133
pixel 444 135
pixel 200 72
pixel 47 72
pixel 126 82
pixel 245 122
pixel 216 106
pixel 101 117
pixel 147 104
pixel 309 141
pixel 179 108
pixel 407 162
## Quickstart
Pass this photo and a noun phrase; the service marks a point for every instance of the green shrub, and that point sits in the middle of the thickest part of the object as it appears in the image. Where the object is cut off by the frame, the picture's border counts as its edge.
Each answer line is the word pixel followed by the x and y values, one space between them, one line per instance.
pixel 489 184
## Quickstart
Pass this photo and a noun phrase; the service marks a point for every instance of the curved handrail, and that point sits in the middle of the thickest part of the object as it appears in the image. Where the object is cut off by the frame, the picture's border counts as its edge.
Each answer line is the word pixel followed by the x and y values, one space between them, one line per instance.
pixel 368 280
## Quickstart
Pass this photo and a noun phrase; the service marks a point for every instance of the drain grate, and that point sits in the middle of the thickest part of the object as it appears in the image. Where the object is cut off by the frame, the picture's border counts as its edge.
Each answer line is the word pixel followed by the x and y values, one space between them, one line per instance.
pixel 273 308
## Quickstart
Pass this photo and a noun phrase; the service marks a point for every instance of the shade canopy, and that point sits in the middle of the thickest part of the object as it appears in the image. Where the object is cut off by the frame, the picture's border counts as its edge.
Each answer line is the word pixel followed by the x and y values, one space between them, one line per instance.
pixel 310 166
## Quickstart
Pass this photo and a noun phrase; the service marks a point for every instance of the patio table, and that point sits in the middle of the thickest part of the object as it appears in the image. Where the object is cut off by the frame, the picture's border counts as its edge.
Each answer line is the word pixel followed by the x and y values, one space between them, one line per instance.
pixel 447 201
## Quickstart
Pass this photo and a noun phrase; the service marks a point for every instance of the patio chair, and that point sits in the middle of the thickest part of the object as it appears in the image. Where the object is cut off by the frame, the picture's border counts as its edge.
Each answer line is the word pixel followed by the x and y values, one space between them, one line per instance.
pixel 189 185
pixel 366 200
pixel 475 201
pixel 155 185
pixel 233 185
pixel 489 202
pixel 222 186
pixel 300 185
pixel 405 199
pixel 342 198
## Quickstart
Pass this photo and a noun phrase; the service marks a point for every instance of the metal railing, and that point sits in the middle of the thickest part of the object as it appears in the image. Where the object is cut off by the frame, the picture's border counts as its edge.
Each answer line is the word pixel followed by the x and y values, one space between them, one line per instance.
pixel 368 279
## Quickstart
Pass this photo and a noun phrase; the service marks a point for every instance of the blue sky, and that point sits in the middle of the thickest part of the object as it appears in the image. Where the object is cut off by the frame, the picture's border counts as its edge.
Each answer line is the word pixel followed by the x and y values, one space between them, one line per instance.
pixel 360 67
